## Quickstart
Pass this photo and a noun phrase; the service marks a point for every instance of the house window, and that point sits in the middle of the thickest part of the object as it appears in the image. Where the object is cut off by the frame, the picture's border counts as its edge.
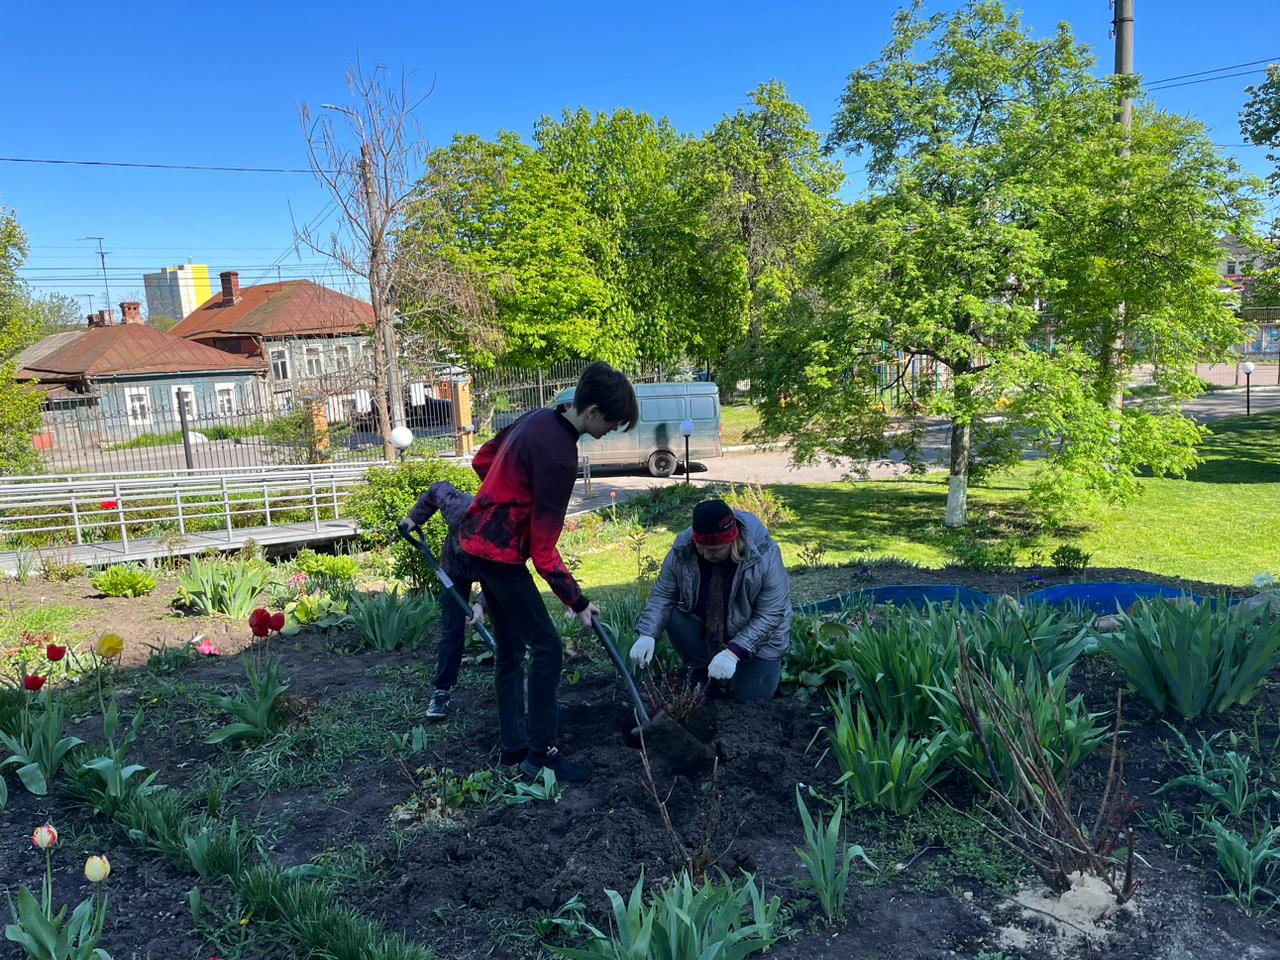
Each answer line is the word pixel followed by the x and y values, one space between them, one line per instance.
pixel 342 357
pixel 1231 268
pixel 280 364
pixel 226 397
pixel 185 395
pixel 137 402
pixel 314 360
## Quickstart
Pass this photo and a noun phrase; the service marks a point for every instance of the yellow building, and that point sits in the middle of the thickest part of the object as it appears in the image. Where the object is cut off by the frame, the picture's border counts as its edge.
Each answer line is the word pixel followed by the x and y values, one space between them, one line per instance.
pixel 175 292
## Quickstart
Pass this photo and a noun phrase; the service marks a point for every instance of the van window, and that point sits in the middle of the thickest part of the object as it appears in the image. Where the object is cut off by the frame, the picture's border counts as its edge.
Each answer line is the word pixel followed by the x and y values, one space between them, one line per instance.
pixel 661 408
pixel 702 408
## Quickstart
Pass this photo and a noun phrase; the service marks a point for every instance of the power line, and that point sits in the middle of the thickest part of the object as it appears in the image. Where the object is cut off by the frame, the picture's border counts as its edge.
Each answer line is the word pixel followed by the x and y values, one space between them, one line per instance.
pixel 1201 73
pixel 164 166
pixel 1192 83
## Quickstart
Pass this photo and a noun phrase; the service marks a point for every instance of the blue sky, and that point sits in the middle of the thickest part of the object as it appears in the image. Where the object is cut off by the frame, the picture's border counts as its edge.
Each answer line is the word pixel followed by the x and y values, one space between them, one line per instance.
pixel 219 85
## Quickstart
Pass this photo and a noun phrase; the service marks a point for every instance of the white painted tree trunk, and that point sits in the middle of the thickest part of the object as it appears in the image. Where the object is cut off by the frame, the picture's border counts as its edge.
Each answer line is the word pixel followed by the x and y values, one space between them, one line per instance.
pixel 958 485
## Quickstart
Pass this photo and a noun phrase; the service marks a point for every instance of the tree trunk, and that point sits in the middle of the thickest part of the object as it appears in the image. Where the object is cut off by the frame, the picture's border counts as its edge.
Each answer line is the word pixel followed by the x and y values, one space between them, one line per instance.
pixel 958 485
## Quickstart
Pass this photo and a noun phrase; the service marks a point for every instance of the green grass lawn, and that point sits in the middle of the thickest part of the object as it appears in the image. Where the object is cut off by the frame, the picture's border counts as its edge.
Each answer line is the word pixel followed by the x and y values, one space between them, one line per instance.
pixel 735 420
pixel 1220 524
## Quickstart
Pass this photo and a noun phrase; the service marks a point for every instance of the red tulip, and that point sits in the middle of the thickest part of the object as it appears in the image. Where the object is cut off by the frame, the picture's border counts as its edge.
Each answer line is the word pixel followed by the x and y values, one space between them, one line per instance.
pixel 109 504
pixel 32 683
pixel 276 622
pixel 259 617
pixel 260 631
pixel 55 652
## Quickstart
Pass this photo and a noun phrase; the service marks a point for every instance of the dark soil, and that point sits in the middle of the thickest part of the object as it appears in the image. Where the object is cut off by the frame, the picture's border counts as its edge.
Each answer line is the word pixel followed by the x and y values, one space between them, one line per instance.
pixel 469 885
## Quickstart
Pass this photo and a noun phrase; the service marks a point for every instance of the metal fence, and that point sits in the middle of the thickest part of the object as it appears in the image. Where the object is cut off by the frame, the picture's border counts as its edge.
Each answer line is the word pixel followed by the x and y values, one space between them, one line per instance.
pixel 169 506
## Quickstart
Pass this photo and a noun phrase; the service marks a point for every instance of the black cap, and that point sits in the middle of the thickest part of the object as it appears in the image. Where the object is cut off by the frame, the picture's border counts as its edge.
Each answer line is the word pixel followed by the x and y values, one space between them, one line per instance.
pixel 714 523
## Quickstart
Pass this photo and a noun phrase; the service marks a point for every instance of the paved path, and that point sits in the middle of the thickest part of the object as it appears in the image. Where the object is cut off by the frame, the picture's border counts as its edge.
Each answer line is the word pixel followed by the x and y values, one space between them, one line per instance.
pixel 774 466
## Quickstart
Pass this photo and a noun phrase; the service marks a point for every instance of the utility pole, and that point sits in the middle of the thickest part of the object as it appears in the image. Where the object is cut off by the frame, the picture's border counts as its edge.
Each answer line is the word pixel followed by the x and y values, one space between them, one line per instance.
pixel 383 323
pixel 1122 27
pixel 102 256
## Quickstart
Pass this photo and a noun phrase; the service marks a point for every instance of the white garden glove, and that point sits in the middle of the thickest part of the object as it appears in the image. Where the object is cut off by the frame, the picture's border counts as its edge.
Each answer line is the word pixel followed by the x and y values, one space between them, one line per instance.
pixel 642 651
pixel 722 665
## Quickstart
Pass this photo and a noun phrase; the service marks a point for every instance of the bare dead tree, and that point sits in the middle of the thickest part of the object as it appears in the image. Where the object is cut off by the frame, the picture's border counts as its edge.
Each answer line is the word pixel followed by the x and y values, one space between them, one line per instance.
pixel 373 166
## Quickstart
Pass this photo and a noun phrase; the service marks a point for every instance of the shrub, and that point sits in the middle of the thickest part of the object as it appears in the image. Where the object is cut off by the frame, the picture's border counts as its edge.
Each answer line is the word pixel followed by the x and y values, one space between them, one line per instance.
pixel 390 620
pixel 880 768
pixel 387 497
pixel 232 587
pixel 1069 558
pixel 1194 657
pixel 973 554
pixel 761 501
pixel 715 920
pixel 1063 729
pixel 60 571
pixel 334 566
pixel 124 581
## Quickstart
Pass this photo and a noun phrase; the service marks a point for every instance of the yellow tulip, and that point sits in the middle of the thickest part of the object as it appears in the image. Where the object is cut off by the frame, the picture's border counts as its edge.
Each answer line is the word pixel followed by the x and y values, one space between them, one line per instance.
pixel 97 869
pixel 110 645
pixel 45 836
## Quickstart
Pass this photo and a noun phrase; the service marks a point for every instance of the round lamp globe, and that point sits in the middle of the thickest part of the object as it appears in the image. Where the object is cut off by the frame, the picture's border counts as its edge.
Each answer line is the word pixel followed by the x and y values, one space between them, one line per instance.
pixel 401 437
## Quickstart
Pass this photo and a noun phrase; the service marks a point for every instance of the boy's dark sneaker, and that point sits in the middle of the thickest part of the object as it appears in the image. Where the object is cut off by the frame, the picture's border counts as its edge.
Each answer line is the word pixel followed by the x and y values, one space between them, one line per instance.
pixel 566 770
pixel 509 758
pixel 438 709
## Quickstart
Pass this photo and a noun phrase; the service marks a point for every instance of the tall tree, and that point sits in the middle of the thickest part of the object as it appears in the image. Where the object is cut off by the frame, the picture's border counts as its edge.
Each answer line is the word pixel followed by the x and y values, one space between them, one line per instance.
pixel 497 212
pixel 767 192
pixel 1260 119
pixel 19 403
pixel 940 264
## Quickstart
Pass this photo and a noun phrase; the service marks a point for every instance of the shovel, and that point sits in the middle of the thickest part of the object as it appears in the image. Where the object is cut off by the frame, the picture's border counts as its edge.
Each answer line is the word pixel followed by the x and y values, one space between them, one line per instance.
pixel 413 533
pixel 682 749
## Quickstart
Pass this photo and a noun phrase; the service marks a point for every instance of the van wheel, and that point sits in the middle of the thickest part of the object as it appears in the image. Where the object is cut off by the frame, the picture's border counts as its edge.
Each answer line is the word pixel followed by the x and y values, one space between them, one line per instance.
pixel 662 463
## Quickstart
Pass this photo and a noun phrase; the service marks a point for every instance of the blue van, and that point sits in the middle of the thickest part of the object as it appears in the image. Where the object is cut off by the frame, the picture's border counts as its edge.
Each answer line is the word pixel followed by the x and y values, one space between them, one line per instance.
pixel 656 442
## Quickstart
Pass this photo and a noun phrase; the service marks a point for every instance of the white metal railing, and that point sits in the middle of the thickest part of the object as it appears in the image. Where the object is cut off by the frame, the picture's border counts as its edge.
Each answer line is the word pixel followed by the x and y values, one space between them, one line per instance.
pixel 96 508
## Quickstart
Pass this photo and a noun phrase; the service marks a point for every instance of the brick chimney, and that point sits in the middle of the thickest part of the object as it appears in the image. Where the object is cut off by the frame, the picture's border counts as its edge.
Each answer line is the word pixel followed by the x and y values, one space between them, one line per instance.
pixel 102 318
pixel 230 287
pixel 131 311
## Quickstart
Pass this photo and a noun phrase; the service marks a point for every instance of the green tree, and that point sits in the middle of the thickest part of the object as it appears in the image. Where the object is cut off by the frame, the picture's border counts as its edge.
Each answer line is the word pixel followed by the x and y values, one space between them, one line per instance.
pixel 940 265
pixel 631 171
pixel 767 191
pixel 500 214
pixel 1260 119
pixel 19 403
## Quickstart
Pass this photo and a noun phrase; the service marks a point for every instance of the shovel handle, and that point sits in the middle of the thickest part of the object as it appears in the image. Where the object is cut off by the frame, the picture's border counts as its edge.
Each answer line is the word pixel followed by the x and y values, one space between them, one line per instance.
pixel 606 639
pixel 411 532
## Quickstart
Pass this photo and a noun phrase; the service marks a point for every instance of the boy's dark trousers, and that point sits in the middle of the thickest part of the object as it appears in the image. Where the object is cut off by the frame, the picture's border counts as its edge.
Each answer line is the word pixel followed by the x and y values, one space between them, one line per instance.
pixel 520 619
pixel 453 636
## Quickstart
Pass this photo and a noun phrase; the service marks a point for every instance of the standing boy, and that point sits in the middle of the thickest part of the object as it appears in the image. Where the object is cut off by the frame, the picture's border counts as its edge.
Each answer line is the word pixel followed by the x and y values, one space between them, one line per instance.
pixel 527 474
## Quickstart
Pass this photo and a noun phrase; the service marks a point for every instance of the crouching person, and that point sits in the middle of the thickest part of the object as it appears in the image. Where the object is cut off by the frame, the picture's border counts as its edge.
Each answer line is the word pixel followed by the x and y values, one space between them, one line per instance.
pixel 724 600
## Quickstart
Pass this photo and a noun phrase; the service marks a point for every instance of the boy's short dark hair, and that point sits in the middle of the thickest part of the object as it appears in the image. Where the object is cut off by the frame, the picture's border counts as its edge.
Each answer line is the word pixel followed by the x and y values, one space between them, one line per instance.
pixel 602 386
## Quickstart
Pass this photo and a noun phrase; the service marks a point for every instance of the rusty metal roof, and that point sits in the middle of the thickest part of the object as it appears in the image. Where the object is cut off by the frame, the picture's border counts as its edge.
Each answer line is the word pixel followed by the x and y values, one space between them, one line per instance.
pixel 293 308
pixel 124 349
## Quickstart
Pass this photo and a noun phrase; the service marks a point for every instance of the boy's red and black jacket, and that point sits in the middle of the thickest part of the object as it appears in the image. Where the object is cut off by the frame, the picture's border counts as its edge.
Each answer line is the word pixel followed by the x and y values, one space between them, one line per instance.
pixel 527 474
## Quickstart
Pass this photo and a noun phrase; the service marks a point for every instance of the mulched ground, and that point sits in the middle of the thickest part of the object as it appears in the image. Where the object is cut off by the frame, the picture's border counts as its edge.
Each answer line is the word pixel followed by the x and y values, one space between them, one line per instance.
pixel 469 887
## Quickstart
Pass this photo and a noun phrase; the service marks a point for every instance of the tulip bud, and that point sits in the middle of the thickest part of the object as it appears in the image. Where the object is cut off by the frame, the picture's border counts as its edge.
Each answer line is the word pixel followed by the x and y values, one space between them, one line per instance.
pixel 110 645
pixel 32 683
pixel 97 869
pixel 276 622
pixel 55 652
pixel 45 836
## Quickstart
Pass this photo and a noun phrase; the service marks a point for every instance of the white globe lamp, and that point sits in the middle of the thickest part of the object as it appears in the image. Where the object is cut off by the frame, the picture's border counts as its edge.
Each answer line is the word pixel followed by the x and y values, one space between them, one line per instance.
pixel 401 437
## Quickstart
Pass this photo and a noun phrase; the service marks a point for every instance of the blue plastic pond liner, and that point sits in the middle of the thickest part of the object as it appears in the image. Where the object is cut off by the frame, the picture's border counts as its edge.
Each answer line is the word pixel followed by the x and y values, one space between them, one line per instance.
pixel 1102 598
pixel 1105 598
pixel 902 595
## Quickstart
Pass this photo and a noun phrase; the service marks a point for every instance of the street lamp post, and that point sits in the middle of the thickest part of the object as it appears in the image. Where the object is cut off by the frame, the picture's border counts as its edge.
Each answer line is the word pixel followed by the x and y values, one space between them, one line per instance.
pixel 686 428
pixel 401 438
pixel 1247 367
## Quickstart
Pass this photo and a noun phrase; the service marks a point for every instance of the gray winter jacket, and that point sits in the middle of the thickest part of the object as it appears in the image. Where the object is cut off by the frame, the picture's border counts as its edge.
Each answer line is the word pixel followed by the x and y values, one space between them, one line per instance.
pixel 759 600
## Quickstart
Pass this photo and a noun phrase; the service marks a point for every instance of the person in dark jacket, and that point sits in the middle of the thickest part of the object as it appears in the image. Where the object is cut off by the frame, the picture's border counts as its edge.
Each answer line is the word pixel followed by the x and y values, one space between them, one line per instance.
pixel 527 474
pixel 724 599
pixel 451 503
